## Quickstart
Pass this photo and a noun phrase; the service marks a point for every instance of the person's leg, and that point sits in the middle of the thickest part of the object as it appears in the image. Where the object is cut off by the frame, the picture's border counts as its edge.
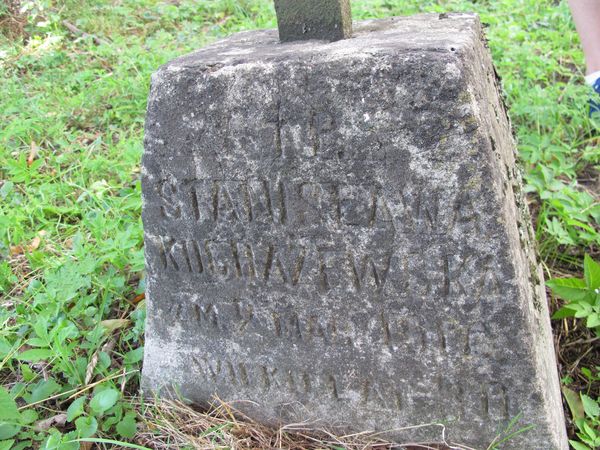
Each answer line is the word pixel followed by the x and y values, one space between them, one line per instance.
pixel 586 14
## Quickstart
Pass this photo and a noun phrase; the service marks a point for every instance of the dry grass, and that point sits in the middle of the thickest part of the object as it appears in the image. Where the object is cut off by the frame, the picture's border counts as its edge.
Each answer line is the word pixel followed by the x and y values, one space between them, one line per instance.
pixel 168 424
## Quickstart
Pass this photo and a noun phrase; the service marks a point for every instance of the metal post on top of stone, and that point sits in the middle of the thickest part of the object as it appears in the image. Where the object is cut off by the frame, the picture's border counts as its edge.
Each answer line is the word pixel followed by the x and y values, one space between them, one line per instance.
pixel 329 20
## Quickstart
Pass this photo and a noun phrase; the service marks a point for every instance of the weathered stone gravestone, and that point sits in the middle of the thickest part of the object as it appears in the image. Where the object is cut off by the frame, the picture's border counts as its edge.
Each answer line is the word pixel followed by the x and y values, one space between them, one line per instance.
pixel 335 234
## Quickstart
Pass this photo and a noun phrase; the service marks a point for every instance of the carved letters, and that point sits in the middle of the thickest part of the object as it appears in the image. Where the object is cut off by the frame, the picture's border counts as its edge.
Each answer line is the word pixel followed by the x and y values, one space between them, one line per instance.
pixel 393 331
pixel 493 397
pixel 309 204
pixel 270 263
pixel 326 269
pixel 328 240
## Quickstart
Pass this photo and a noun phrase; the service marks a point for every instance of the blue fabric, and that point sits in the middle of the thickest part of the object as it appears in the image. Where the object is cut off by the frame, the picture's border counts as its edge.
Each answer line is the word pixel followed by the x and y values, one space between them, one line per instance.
pixel 595 101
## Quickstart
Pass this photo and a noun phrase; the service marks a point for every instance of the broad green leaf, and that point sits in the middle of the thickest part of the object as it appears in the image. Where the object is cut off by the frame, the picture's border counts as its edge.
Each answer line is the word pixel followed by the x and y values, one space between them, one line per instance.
pixel 588 373
pixel 579 445
pixel 574 402
pixel 570 289
pixel 590 433
pixel 29 416
pixel 8 408
pixel 75 409
pixel 86 426
pixel 68 445
pixel 104 361
pixel 114 324
pixel 104 400
pixel 6 188
pixel 134 356
pixel 578 223
pixel 35 354
pixel 28 374
pixel 36 342
pixel 41 328
pixel 42 391
pixel 593 320
pixel 7 431
pixel 127 427
pixel 591 271
pixel 67 331
pixel 6 445
pixel 110 421
pixel 53 442
pixel 582 309
pixel 5 348
pixel 23 445
pixel 590 406
pixel 563 312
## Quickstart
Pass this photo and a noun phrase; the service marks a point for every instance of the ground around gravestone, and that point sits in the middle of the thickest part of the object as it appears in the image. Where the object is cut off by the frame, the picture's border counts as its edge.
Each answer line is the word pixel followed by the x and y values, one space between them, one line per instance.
pixel 75 79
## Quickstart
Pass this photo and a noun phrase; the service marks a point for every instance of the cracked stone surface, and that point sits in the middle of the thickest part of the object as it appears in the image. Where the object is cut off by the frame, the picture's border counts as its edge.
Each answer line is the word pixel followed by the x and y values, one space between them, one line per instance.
pixel 335 234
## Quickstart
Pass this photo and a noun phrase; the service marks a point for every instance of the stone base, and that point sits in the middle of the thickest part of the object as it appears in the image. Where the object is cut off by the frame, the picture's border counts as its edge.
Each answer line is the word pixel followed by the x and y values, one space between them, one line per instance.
pixel 335 233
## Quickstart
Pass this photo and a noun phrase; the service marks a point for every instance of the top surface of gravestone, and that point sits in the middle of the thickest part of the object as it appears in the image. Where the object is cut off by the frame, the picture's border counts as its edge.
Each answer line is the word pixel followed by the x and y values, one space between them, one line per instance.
pixel 332 235
pixel 423 32
pixel 313 19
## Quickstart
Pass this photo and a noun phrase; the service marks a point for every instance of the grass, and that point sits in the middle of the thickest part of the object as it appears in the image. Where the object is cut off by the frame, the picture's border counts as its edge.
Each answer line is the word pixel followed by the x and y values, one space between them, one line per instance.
pixel 75 78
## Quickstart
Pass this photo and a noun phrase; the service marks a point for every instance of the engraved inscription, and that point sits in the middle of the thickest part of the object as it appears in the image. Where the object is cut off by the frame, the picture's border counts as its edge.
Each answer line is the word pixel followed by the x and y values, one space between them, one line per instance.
pixel 388 331
pixel 364 391
pixel 309 204
pixel 327 269
pixel 333 268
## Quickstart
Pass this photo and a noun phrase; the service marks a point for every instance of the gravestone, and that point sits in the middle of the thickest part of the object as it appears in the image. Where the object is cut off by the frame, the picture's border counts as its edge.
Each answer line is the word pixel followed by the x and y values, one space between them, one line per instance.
pixel 336 235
